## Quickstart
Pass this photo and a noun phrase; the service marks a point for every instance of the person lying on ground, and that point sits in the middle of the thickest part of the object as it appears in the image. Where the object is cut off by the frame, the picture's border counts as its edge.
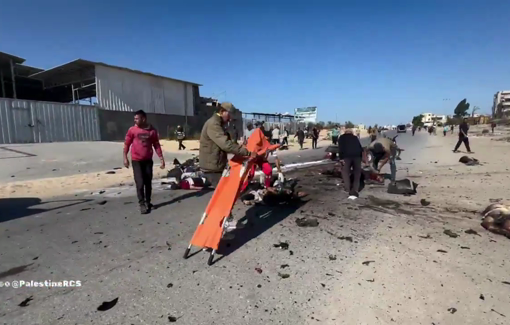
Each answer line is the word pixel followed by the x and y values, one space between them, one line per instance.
pixel 497 219
pixel 281 193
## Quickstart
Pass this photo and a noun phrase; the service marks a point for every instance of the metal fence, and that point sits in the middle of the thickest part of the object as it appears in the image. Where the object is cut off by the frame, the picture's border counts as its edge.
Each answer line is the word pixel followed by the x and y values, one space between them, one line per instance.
pixel 271 121
pixel 27 121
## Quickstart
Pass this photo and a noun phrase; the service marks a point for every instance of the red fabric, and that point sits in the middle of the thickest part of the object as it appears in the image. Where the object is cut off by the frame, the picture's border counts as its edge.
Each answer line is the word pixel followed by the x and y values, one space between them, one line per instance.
pixel 141 141
pixel 266 169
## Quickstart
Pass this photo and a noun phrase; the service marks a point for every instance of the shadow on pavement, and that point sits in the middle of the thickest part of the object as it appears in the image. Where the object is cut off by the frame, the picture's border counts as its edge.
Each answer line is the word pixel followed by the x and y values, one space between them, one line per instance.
pixel 188 195
pixel 15 208
pixel 259 219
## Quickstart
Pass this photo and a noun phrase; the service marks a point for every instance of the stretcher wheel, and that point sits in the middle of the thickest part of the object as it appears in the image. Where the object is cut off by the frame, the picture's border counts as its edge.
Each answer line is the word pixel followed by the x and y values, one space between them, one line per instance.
pixel 186 253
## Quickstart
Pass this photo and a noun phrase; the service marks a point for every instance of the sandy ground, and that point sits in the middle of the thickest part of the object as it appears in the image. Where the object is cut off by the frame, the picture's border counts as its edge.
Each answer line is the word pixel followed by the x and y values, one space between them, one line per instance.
pixel 420 275
pixel 383 259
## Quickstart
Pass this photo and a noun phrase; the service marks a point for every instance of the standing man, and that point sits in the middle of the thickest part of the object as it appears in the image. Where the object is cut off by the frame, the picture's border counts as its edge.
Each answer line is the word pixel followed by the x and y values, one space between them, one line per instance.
pixel 493 126
pixel 351 153
pixel 384 150
pixel 463 136
pixel 248 132
pixel 285 140
pixel 180 137
pixel 141 138
pixel 315 137
pixel 215 144
pixel 275 135
pixel 300 134
pixel 334 134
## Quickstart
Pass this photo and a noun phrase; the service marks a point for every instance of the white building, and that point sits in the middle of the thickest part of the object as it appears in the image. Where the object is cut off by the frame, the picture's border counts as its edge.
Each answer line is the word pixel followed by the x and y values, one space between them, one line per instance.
pixel 501 103
pixel 430 118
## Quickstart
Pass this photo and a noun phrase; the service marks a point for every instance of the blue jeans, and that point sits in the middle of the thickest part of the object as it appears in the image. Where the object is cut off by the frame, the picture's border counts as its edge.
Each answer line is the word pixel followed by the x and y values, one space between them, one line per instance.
pixel 391 161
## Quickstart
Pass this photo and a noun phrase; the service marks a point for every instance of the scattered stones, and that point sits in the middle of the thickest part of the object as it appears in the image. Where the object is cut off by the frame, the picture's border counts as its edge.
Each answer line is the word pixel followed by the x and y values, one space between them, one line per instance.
pixel 283 275
pixel 452 310
pixel 168 245
pixel 170 285
pixel 426 237
pixel 332 257
pixel 107 305
pixel 258 269
pixel 482 297
pixel 367 262
pixel 307 222
pixel 172 319
pixel 442 251
pixel 472 232
pixel 373 280
pixel 450 233
pixel 103 202
pixel 424 202
pixel 284 266
pixel 282 245
pixel 464 247
pixel 26 302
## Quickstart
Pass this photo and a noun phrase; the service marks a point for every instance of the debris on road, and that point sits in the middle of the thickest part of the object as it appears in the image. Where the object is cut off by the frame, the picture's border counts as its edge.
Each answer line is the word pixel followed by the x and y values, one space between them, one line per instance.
pixel 111 172
pixel 283 275
pixel 452 310
pixel 442 251
pixel 332 257
pixel 472 232
pixel 282 245
pixel 425 237
pixel 367 262
pixel 450 233
pixel 424 202
pixel 107 305
pixel 26 302
pixel 259 270
pixel 307 222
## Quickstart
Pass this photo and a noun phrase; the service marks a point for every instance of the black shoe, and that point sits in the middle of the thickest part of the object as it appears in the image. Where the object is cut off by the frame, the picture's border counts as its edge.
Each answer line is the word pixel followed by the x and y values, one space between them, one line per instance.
pixel 150 207
pixel 143 209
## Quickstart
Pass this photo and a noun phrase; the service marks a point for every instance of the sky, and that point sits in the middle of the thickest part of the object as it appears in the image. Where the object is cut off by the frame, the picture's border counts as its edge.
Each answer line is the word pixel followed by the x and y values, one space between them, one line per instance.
pixel 378 61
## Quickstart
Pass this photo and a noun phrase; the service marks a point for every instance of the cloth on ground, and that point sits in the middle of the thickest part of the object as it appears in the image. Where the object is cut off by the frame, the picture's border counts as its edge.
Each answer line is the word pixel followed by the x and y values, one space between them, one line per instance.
pixel 403 186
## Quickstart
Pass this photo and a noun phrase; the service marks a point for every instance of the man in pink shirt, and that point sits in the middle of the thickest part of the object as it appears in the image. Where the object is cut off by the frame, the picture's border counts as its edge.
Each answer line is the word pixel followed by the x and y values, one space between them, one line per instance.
pixel 141 138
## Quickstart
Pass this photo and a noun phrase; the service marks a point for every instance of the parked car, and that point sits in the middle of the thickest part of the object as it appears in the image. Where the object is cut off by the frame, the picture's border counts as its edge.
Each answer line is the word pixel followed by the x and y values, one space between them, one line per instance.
pixel 401 128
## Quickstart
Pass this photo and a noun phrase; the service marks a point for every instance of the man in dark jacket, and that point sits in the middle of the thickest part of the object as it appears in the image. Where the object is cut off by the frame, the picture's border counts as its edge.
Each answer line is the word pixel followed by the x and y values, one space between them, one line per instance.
pixel 463 136
pixel 300 134
pixel 352 154
pixel 215 144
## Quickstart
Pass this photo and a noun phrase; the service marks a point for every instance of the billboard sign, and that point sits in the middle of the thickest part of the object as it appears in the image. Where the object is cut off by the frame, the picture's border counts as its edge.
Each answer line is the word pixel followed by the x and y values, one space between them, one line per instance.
pixel 306 114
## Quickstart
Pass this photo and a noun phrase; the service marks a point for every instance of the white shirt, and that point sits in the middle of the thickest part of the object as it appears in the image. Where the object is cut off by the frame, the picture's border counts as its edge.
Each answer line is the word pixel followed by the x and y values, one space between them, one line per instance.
pixel 276 134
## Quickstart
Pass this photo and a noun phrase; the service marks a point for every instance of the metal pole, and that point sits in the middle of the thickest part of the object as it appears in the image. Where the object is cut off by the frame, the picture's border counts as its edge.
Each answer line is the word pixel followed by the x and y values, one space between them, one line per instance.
pixel 13 81
pixel 2 81
pixel 72 89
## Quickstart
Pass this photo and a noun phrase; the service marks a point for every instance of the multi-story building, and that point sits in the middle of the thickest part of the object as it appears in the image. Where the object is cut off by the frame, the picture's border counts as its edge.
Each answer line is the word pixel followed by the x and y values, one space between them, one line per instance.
pixel 501 103
pixel 430 118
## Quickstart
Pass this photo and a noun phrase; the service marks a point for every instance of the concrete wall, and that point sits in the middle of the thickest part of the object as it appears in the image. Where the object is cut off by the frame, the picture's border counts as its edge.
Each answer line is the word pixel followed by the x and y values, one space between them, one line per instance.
pixel 113 125
pixel 121 90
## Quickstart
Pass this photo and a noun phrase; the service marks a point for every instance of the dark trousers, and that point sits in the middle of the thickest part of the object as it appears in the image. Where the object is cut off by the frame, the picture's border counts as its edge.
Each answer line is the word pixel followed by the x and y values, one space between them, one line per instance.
pixel 314 143
pixel 213 178
pixel 335 139
pixel 444 133
pixel 355 164
pixel 301 141
pixel 275 141
pixel 466 143
pixel 285 141
pixel 181 146
pixel 142 172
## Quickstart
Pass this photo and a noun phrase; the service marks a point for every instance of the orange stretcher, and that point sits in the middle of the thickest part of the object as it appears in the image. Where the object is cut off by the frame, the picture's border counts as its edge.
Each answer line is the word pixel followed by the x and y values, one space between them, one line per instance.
pixel 212 225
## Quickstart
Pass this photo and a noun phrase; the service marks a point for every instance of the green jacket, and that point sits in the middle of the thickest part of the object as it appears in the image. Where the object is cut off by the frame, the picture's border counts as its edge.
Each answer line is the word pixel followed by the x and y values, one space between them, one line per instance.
pixel 215 144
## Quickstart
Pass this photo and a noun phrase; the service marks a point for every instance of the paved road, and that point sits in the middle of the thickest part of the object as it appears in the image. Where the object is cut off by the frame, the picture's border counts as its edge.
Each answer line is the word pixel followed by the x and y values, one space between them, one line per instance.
pixel 44 160
pixel 117 253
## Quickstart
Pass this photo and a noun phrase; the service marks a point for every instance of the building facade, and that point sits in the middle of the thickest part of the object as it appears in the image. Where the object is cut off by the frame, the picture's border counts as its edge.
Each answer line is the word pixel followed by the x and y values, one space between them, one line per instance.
pixel 501 103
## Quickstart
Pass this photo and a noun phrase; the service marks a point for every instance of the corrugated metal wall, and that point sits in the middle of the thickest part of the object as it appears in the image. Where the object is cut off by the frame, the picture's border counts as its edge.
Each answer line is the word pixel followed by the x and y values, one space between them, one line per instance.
pixel 120 90
pixel 26 121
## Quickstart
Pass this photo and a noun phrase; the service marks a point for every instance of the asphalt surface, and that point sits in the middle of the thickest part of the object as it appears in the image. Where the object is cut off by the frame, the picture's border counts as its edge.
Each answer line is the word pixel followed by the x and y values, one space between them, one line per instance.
pixel 20 162
pixel 115 252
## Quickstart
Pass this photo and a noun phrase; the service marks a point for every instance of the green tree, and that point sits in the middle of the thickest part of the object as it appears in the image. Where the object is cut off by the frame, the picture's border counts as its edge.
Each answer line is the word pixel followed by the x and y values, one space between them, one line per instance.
pixel 462 108
pixel 349 125
pixel 417 120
